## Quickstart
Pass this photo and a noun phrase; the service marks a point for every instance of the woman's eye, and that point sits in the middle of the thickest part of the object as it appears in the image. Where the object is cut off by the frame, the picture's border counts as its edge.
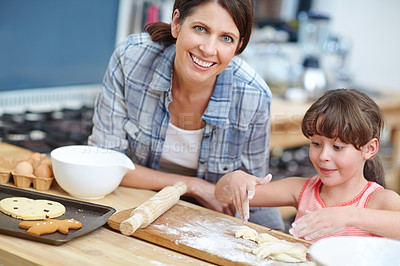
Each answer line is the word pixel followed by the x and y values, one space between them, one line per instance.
pixel 227 39
pixel 200 29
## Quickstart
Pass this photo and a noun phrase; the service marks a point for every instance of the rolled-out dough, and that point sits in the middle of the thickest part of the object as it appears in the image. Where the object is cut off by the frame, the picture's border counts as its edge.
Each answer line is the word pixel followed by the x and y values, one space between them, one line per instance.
pixel 271 247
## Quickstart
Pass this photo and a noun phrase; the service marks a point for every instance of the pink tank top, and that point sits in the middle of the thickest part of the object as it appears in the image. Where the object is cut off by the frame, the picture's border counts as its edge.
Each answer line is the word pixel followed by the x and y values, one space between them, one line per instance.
pixel 310 200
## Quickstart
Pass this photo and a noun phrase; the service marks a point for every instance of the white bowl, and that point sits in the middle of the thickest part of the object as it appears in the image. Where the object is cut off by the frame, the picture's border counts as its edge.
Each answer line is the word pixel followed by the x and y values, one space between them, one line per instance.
pixel 353 250
pixel 89 172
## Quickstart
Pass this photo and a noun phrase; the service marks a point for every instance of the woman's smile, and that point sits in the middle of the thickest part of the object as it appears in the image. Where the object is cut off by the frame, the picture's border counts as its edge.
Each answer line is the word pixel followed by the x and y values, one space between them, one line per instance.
pixel 200 62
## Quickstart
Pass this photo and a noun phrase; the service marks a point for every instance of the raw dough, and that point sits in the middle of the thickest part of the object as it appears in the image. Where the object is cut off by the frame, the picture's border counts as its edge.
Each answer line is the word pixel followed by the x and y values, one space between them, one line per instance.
pixel 265 237
pixel 246 233
pixel 271 247
pixel 30 209
pixel 281 250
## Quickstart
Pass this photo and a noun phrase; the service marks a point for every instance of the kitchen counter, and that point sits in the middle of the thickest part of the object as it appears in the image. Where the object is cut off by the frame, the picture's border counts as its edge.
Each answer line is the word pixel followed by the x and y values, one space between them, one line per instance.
pixel 105 245
pixel 99 247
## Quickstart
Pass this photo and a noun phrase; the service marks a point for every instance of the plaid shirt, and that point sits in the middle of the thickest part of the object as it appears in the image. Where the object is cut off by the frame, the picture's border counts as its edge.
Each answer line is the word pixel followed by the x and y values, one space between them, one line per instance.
pixel 131 113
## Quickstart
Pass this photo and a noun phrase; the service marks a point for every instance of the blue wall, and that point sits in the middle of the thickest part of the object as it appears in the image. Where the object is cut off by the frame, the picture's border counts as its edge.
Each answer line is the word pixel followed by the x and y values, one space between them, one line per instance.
pixel 48 43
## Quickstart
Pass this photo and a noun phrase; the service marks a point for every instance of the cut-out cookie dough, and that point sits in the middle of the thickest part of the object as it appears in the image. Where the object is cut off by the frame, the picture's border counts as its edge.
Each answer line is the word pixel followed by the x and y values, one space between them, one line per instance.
pixel 265 237
pixel 271 247
pixel 30 209
pixel 246 233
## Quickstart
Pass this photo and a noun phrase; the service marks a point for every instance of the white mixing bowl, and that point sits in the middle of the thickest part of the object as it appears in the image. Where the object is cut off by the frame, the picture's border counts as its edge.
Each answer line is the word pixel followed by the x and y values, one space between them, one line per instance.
pixel 89 172
pixel 353 250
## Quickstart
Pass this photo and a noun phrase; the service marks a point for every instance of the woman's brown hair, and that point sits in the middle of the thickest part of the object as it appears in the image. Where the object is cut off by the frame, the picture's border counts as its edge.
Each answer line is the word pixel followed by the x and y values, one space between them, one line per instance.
pixel 351 116
pixel 240 10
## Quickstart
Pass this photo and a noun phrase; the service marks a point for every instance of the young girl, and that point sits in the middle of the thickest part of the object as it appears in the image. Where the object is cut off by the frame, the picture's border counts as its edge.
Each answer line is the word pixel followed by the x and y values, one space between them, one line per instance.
pixel 347 197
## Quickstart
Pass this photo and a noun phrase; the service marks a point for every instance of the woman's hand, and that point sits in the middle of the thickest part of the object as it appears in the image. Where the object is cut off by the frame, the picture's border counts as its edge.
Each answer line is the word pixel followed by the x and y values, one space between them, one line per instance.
pixel 239 188
pixel 203 192
pixel 321 222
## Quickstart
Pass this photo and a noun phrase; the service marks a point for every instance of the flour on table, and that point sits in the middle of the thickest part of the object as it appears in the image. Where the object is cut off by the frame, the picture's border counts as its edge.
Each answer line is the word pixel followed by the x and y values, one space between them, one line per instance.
pixel 214 235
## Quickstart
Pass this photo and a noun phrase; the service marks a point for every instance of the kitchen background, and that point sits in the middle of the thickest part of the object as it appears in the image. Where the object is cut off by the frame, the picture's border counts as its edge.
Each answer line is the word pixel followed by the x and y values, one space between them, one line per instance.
pixel 53 55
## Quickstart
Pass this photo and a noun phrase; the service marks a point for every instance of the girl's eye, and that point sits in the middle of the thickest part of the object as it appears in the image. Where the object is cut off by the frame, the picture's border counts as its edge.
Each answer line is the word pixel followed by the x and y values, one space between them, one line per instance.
pixel 337 148
pixel 316 144
pixel 200 29
pixel 227 39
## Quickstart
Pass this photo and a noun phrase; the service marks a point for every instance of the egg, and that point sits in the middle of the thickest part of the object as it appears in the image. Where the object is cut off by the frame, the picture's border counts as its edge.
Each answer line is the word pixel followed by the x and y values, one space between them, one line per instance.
pixel 35 155
pixel 24 168
pixel 30 160
pixel 36 162
pixel 43 170
pixel 46 161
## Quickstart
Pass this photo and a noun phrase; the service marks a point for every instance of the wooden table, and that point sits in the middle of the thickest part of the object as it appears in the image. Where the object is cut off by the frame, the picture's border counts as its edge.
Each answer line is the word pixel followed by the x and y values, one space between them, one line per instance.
pixel 106 246
pixel 100 247
pixel 286 118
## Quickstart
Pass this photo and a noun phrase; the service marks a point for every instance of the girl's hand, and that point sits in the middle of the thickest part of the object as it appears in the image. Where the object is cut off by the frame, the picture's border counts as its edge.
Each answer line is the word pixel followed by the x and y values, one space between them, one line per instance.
pixel 321 222
pixel 203 192
pixel 239 188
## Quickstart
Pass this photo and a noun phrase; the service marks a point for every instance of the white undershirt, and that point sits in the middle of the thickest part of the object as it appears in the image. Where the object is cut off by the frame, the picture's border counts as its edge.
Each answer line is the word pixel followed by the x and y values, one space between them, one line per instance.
pixel 182 147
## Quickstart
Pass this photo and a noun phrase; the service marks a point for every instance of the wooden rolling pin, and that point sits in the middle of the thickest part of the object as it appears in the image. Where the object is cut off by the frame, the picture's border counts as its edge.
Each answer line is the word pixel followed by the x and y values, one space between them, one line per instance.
pixel 150 210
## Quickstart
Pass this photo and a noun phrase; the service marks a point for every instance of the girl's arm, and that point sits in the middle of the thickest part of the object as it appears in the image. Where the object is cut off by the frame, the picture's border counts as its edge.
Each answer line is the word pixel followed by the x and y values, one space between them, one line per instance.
pixel 381 217
pixel 243 189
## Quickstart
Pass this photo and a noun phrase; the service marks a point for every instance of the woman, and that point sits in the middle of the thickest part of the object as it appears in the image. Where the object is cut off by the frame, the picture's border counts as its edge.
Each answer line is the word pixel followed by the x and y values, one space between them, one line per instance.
pixel 184 108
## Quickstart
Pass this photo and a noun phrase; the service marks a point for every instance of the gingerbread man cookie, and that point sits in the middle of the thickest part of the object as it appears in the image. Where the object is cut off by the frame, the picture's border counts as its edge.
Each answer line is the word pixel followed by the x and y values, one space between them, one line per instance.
pixel 49 226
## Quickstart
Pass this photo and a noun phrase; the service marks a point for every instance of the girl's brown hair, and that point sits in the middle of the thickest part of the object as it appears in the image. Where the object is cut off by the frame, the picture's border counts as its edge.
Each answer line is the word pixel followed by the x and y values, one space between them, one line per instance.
pixel 240 10
pixel 351 116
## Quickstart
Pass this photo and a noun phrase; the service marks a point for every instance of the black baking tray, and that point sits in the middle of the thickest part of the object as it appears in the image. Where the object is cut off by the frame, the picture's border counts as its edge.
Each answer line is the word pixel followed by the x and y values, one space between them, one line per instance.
pixel 91 215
